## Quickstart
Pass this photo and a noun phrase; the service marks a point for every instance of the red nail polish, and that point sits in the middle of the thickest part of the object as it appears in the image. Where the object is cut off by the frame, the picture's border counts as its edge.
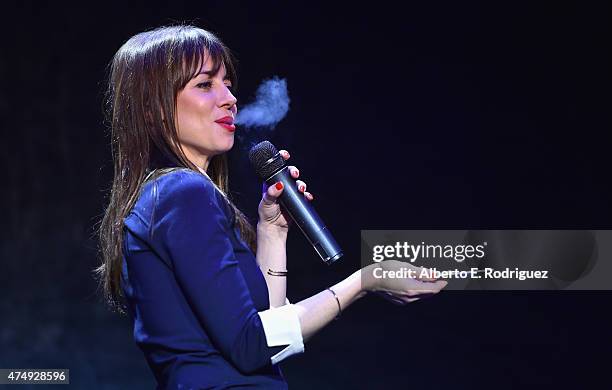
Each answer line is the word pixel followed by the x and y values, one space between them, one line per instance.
pixel 301 188
pixel 279 186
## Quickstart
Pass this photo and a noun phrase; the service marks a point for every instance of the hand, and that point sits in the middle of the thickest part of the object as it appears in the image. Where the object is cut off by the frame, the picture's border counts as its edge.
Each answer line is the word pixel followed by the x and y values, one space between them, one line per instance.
pixel 270 213
pixel 400 290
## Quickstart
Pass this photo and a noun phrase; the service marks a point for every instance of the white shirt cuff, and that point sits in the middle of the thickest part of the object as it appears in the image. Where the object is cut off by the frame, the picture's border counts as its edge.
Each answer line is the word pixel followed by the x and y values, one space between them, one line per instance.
pixel 282 327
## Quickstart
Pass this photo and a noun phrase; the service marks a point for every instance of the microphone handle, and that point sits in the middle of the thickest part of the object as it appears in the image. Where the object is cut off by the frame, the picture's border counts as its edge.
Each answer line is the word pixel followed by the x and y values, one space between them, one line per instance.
pixel 305 216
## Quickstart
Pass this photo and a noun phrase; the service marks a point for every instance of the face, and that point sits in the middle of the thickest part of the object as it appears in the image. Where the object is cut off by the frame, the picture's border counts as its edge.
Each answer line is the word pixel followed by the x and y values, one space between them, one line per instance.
pixel 205 113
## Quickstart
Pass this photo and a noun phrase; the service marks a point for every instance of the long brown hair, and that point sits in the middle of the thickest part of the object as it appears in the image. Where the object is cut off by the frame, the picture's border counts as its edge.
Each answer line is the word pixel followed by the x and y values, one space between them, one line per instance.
pixel 146 75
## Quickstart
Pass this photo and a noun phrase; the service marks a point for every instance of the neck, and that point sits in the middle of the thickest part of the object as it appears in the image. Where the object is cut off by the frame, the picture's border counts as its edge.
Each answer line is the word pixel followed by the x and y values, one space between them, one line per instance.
pixel 203 170
pixel 199 160
pixel 203 165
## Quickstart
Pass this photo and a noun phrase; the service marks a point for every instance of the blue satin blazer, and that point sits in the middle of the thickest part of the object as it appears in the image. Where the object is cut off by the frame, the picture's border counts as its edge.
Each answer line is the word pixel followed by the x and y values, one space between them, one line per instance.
pixel 193 289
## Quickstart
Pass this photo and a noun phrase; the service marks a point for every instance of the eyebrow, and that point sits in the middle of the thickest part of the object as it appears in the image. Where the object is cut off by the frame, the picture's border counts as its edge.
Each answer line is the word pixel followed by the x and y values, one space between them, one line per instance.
pixel 209 73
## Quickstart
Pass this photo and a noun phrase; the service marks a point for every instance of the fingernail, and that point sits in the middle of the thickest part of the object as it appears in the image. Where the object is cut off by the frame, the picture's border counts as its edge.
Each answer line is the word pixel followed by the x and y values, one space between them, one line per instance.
pixel 279 186
pixel 301 188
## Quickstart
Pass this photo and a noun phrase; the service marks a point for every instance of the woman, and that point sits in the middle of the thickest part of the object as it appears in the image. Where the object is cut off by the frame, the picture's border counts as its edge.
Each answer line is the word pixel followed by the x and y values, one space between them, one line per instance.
pixel 206 291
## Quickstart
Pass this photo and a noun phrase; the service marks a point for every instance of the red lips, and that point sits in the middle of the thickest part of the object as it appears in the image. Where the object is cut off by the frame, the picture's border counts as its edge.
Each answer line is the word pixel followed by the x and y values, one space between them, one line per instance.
pixel 227 122
pixel 226 119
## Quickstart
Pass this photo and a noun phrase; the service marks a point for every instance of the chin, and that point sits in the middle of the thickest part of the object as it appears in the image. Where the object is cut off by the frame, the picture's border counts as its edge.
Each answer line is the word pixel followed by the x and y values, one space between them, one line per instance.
pixel 226 147
pixel 230 145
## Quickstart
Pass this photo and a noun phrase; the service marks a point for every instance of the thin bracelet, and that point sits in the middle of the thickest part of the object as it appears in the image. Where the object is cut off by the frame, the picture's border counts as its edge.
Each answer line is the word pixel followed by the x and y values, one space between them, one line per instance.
pixel 277 273
pixel 338 302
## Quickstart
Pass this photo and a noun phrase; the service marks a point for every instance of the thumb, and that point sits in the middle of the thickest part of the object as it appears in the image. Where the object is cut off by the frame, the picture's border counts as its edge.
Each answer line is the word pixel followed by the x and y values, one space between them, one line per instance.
pixel 272 193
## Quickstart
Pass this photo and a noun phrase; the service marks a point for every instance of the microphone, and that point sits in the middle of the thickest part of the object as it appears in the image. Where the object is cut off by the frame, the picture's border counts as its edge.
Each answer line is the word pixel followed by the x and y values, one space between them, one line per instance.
pixel 270 166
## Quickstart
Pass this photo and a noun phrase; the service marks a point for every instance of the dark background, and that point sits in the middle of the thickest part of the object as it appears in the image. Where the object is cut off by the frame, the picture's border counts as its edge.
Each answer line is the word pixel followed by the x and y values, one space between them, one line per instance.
pixel 426 115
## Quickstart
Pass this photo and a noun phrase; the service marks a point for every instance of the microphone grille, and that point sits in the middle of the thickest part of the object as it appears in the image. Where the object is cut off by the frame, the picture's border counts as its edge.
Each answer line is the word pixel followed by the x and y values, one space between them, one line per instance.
pixel 260 154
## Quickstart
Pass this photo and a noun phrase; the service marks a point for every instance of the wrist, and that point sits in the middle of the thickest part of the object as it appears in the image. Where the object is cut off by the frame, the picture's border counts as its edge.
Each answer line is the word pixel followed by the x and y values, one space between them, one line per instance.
pixel 266 230
pixel 368 282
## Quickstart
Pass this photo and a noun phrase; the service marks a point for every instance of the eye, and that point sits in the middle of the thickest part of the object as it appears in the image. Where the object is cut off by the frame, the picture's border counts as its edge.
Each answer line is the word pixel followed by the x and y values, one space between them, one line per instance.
pixel 205 85
pixel 228 84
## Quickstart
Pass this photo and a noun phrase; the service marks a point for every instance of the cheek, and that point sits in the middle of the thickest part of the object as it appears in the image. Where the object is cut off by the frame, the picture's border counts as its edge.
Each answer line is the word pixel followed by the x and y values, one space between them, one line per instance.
pixel 194 110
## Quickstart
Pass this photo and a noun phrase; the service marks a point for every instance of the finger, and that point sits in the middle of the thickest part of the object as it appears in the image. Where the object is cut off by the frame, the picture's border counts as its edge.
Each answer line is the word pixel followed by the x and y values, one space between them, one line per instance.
pixel 300 185
pixel 295 173
pixel 440 284
pixel 273 192
pixel 415 287
pixel 308 195
pixel 285 154
pixel 436 286
pixel 423 274
pixel 391 298
pixel 429 288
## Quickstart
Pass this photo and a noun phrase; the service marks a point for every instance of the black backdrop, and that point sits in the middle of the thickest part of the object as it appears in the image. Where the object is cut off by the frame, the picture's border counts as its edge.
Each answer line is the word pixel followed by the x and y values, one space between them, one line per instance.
pixel 429 115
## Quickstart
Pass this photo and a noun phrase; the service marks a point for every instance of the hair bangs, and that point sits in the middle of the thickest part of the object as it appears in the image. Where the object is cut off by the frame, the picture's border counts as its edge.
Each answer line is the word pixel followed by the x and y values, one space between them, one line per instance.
pixel 195 51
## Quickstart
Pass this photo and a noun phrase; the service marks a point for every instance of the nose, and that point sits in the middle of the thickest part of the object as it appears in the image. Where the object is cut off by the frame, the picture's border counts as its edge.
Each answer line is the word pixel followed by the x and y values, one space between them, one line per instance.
pixel 229 101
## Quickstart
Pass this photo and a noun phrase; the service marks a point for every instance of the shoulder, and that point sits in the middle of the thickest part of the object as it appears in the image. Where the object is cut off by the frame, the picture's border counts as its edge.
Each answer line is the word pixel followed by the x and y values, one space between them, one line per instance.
pixel 179 189
pixel 181 182
pixel 175 208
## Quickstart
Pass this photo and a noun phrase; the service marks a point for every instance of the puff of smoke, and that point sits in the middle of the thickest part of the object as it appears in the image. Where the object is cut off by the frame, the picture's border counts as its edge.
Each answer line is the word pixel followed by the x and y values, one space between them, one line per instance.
pixel 270 106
